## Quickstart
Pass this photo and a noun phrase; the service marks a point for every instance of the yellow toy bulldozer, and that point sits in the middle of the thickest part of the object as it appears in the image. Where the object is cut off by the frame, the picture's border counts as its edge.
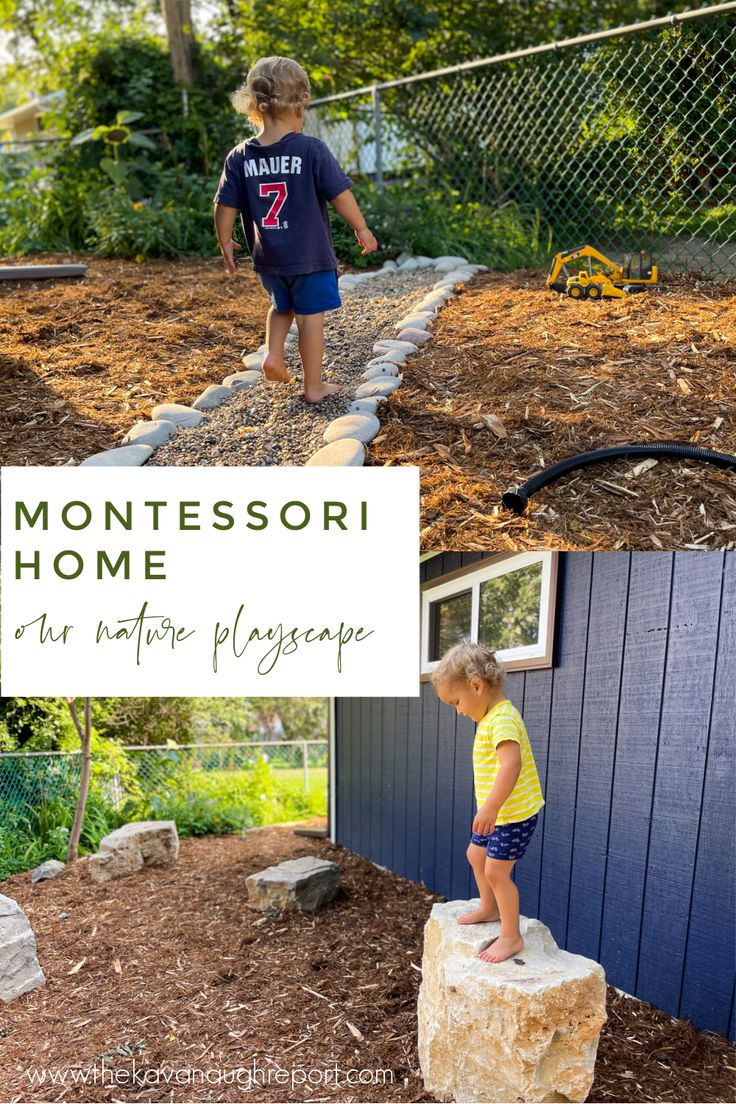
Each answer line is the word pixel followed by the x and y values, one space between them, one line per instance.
pixel 636 274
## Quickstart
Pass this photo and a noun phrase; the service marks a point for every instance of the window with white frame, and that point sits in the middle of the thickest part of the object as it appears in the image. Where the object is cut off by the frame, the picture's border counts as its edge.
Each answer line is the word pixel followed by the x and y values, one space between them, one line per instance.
pixel 507 604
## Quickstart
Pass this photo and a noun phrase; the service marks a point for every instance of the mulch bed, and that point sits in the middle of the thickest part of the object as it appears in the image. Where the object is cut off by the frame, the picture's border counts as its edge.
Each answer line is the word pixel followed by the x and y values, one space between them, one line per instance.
pixel 82 360
pixel 564 377
pixel 171 971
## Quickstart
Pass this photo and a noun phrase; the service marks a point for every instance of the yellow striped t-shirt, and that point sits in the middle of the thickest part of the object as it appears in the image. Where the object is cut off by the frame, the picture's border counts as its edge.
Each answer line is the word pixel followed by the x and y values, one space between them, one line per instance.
pixel 504 722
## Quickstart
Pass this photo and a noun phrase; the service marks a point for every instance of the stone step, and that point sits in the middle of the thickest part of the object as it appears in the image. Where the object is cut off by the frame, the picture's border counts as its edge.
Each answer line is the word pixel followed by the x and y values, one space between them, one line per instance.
pixel 303 884
pixel 135 845
pixel 525 1029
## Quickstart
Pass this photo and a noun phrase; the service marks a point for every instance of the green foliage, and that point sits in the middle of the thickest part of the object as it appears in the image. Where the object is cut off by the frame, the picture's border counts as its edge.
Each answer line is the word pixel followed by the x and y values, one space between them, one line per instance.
pixel 201 802
pixel 132 71
pixel 30 835
pixel 432 218
pixel 35 724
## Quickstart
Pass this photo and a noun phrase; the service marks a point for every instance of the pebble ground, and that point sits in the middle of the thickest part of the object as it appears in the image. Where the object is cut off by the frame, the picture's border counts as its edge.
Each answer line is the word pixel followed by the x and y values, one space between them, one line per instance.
pixel 270 424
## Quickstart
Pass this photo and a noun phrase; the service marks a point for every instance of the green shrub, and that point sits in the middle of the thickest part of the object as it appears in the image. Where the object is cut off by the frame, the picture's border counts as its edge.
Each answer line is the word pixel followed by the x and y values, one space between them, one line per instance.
pixel 435 218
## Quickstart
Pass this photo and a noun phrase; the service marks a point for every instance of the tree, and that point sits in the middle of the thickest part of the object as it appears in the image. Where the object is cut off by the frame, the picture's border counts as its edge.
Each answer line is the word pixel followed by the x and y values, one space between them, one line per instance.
pixel 85 739
pixel 178 19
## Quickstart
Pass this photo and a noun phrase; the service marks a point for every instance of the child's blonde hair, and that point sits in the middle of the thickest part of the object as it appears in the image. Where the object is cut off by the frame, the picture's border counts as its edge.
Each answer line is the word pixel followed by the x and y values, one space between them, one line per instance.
pixel 467 661
pixel 273 85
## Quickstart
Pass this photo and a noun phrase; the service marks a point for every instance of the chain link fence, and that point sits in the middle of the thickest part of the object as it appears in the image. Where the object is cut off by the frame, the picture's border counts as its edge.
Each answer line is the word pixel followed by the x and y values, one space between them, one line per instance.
pixel 30 779
pixel 625 140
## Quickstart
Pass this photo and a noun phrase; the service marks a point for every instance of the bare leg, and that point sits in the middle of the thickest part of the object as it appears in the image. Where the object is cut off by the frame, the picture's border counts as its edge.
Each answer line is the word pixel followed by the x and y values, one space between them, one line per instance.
pixel 277 327
pixel 488 910
pixel 509 942
pixel 311 348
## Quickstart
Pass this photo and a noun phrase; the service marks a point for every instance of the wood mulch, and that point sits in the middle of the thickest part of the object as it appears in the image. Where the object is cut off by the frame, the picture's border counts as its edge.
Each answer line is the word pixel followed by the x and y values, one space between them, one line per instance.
pixel 82 360
pixel 169 972
pixel 518 378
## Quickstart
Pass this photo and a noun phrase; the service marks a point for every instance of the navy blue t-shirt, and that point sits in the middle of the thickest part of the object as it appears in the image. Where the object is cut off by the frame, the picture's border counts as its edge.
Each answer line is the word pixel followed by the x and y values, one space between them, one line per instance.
pixel 281 191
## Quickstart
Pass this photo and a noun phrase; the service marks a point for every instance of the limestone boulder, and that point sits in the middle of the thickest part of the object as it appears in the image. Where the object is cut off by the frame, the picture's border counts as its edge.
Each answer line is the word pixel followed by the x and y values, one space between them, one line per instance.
pixel 128 849
pixel 19 968
pixel 526 1029
pixel 303 884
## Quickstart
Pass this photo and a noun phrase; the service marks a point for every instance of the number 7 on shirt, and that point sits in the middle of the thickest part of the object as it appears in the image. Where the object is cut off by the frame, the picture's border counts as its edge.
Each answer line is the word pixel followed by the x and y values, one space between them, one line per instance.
pixel 279 187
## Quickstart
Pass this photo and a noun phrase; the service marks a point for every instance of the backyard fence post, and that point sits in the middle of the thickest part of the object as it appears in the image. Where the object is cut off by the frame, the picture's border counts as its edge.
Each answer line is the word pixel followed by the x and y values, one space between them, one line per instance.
pixel 377 139
pixel 306 767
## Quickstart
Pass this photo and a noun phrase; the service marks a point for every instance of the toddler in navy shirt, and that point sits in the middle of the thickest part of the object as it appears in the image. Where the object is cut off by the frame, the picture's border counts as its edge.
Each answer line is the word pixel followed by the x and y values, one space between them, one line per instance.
pixel 281 182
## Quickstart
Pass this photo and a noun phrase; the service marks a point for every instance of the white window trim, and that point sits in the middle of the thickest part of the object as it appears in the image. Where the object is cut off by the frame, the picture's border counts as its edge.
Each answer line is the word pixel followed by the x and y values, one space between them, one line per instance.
pixel 529 656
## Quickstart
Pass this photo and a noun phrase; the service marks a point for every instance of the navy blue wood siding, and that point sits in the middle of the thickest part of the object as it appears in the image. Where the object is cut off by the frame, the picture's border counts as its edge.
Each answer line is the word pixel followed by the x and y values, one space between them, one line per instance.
pixel 634 734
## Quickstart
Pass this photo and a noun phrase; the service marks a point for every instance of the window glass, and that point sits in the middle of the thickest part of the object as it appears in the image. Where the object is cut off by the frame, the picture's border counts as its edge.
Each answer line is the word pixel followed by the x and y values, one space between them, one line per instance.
pixel 449 623
pixel 509 609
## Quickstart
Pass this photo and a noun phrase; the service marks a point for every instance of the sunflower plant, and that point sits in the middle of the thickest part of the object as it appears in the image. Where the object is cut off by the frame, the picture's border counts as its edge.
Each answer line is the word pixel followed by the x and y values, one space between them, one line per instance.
pixel 115 136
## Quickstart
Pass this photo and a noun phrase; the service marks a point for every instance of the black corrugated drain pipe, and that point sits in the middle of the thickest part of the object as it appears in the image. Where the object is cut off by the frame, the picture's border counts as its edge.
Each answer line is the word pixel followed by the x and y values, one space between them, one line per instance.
pixel 517 498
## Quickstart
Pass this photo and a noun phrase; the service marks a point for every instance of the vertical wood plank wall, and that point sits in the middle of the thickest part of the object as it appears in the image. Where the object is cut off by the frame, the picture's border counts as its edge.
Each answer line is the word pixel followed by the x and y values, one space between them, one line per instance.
pixel 633 731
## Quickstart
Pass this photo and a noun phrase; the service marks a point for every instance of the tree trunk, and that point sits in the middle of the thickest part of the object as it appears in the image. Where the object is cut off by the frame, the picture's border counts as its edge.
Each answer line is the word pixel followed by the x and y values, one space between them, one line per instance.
pixel 178 18
pixel 85 738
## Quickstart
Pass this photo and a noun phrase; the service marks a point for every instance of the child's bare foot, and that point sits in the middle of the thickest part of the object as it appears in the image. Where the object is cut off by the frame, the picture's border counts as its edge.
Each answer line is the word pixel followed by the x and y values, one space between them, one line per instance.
pixel 479 916
pixel 274 369
pixel 501 949
pixel 321 391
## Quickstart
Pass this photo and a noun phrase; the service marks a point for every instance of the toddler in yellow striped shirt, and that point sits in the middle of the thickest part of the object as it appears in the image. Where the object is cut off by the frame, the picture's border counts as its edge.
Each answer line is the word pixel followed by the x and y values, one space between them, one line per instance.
pixel 507 787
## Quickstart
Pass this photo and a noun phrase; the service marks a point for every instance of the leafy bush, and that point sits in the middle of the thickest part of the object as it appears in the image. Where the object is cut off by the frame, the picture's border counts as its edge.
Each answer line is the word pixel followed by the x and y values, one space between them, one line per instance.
pixel 29 836
pixel 435 218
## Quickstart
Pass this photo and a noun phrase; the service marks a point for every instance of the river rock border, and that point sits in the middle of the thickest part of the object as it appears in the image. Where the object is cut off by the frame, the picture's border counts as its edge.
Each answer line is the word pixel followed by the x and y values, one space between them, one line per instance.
pixel 345 437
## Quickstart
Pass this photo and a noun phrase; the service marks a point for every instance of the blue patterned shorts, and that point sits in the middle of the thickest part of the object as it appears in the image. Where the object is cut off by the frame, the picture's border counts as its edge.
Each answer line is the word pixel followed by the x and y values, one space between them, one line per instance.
pixel 507 841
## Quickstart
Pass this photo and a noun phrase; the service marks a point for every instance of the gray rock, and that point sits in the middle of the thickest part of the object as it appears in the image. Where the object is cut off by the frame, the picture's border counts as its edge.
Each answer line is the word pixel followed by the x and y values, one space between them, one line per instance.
pixel 383 368
pixel 435 300
pixel 411 264
pixel 298 884
pixel 367 406
pixel 359 427
pixel 389 266
pixel 177 413
pixel 425 262
pixel 254 360
pixel 346 453
pixel 46 870
pixel 149 433
pixel 19 968
pixel 390 356
pixel 242 379
pixel 416 321
pixel 419 337
pixel 135 845
pixel 381 385
pixel 212 396
pixel 446 264
pixel 387 343
pixel 129 456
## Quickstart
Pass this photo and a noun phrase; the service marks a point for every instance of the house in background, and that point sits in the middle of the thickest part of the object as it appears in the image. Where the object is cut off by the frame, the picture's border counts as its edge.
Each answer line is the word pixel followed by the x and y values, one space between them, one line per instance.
pixel 25 122
pixel 624 668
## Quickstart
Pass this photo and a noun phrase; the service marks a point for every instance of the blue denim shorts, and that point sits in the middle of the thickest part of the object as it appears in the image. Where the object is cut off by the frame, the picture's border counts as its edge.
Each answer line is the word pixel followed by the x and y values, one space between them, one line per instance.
pixel 307 293
pixel 507 841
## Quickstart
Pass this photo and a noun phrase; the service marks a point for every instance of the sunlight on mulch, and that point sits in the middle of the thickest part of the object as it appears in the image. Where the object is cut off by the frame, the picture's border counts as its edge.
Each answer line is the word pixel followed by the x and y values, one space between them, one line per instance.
pixel 170 970
pixel 82 360
pixel 518 378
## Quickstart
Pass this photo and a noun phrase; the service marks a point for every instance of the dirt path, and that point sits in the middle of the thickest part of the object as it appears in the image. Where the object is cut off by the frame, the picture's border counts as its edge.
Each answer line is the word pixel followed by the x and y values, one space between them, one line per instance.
pixel 168 970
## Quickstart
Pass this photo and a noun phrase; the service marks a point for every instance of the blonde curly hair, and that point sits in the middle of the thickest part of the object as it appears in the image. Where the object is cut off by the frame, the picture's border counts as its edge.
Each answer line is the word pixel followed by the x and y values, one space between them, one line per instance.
pixel 467 661
pixel 274 85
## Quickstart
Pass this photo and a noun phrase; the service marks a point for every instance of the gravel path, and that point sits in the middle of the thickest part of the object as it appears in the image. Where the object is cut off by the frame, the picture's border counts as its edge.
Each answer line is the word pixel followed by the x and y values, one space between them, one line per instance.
pixel 270 424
